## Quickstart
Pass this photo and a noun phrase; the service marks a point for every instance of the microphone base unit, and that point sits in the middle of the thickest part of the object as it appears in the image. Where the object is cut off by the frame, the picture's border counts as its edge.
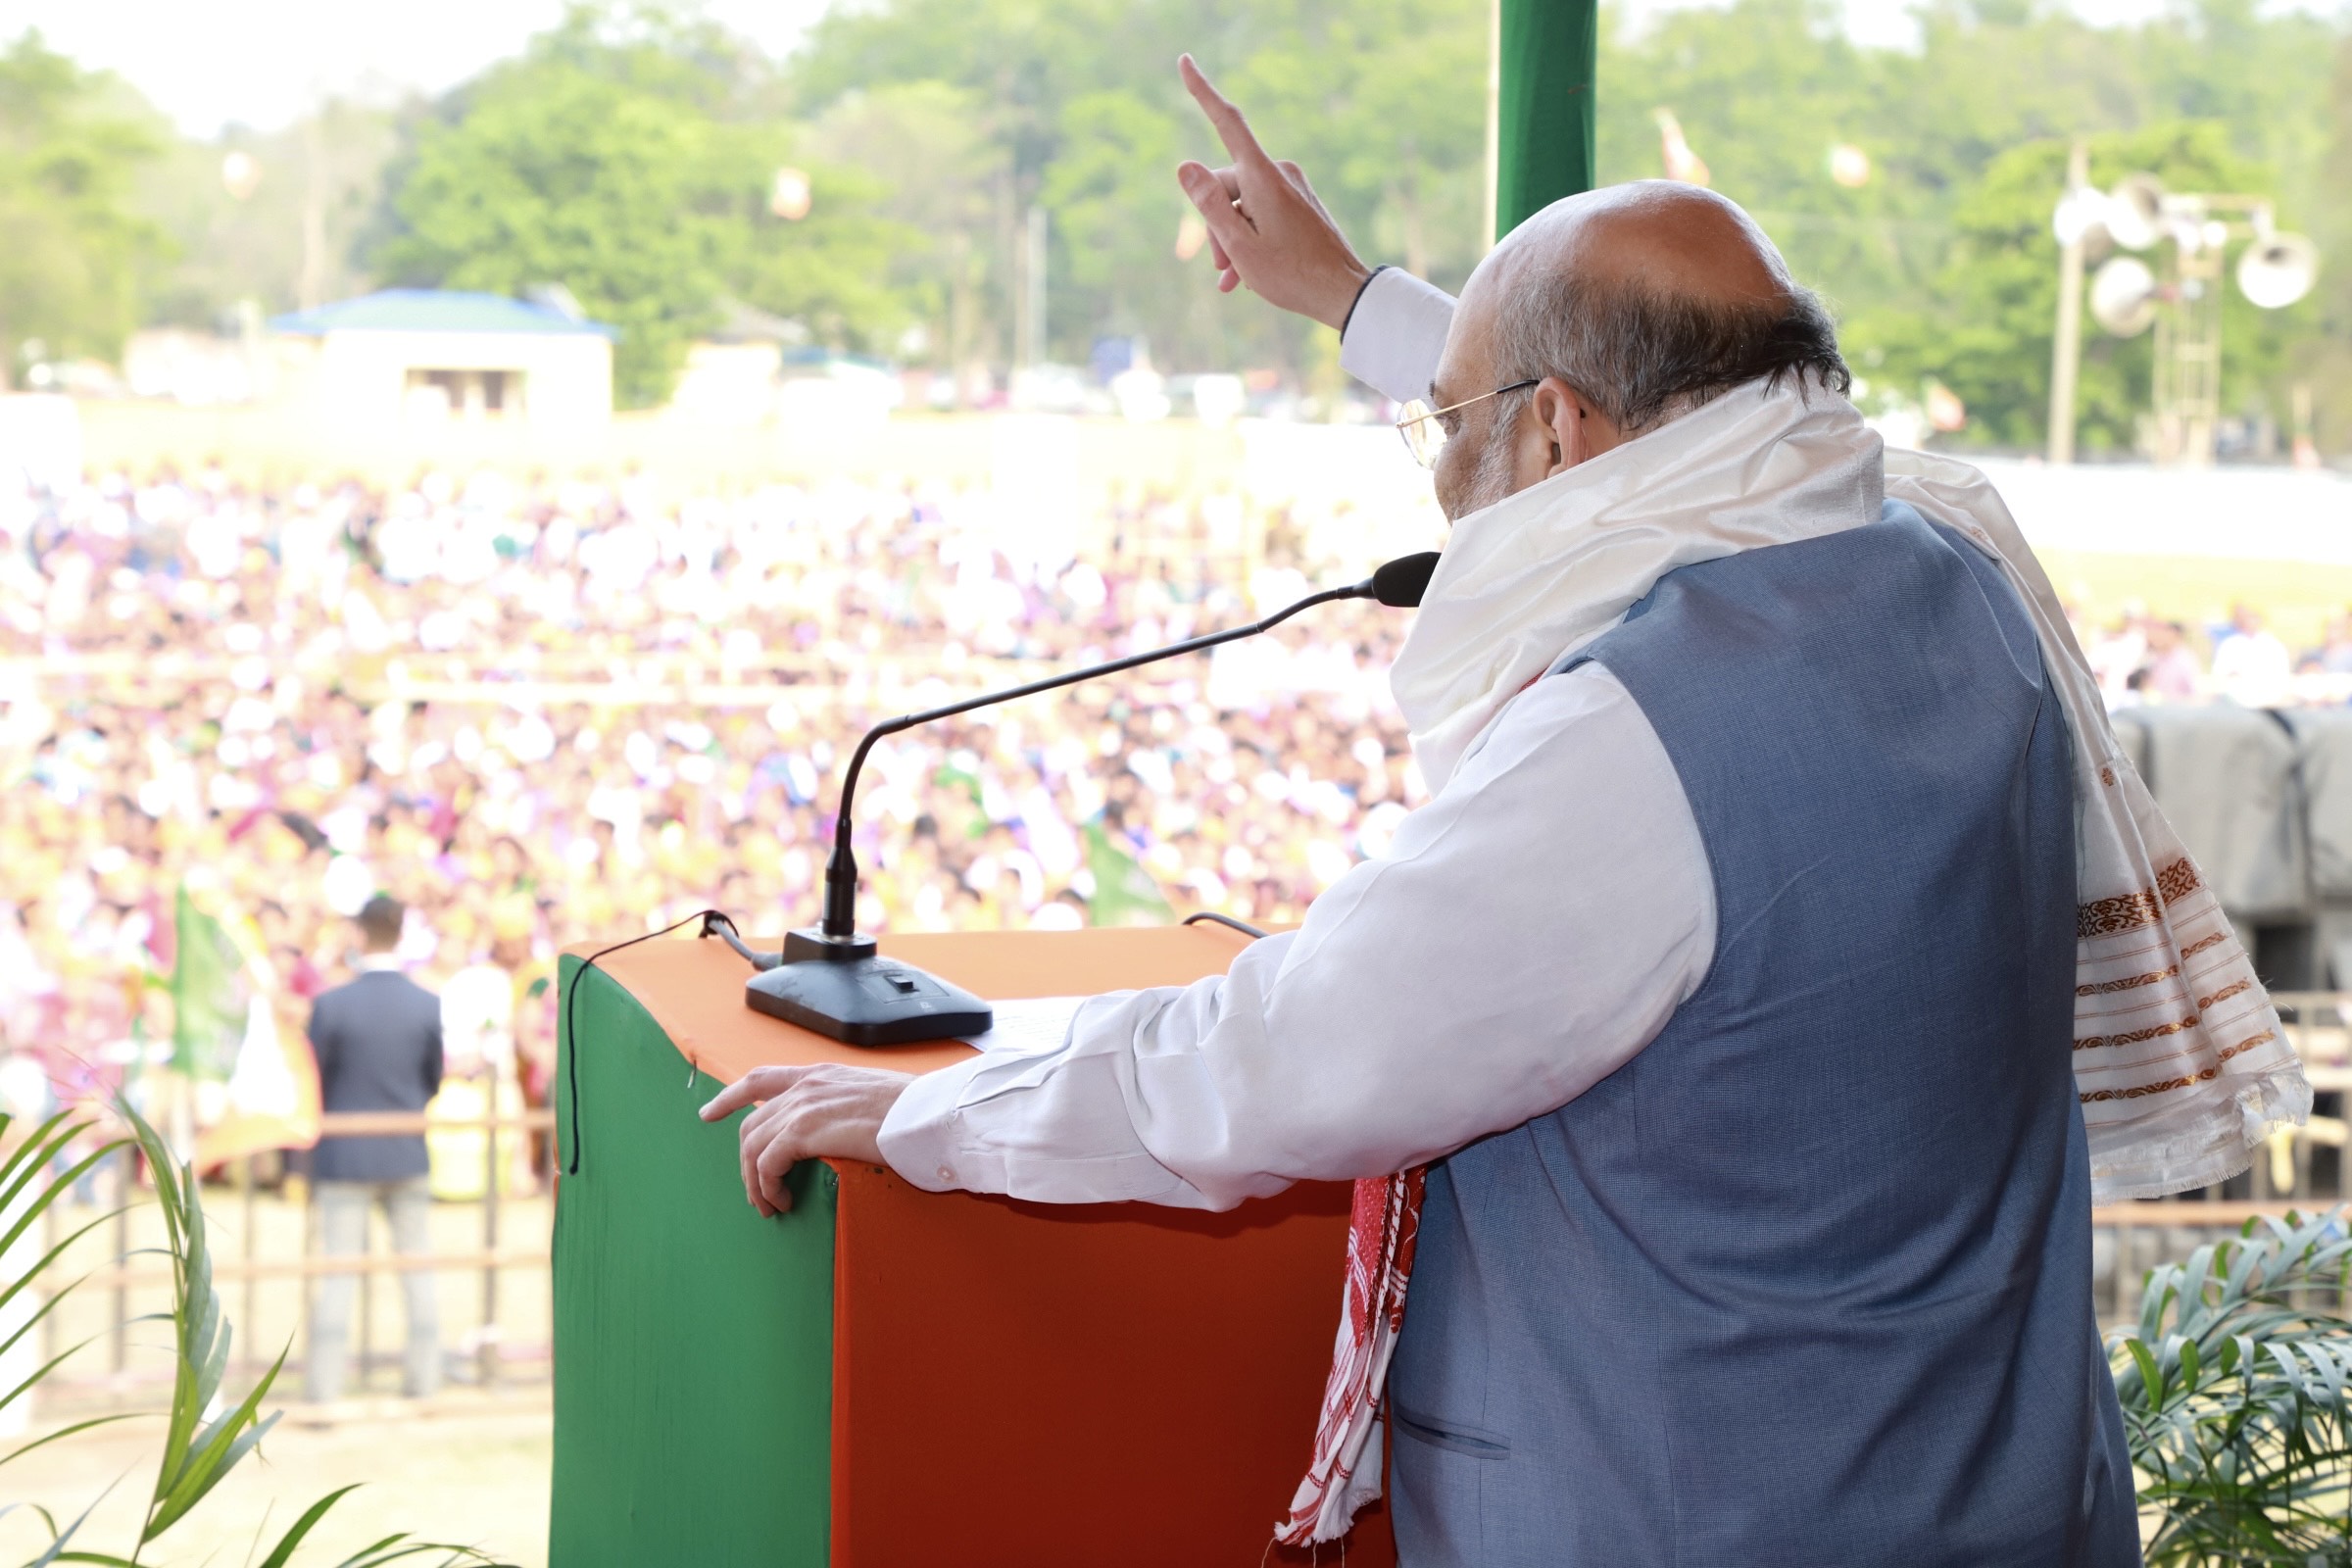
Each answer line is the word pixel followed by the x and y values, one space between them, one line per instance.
pixel 829 986
pixel 815 942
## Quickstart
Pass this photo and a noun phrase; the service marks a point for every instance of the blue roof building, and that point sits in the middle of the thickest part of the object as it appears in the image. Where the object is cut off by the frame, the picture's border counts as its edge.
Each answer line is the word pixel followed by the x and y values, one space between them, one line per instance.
pixel 435 310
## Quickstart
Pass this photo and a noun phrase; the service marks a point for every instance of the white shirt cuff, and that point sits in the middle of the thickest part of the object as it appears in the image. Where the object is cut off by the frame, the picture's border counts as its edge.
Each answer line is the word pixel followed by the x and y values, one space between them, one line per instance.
pixel 920 1138
pixel 1396 334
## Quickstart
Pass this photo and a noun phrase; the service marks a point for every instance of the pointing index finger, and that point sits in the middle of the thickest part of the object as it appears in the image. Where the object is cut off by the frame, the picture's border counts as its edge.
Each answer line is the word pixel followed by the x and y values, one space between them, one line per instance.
pixel 757 1084
pixel 1231 129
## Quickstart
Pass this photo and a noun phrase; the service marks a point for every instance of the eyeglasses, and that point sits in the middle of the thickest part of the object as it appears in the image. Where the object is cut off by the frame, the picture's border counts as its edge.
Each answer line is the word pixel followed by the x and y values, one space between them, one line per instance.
pixel 1425 437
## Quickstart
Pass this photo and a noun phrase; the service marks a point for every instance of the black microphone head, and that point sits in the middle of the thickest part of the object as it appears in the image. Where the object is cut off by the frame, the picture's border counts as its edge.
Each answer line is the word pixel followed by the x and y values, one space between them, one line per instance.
pixel 1401 582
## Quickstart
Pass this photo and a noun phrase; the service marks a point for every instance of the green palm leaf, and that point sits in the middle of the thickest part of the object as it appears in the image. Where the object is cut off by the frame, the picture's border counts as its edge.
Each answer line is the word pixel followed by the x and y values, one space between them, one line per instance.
pixel 2234 1393
pixel 196 1454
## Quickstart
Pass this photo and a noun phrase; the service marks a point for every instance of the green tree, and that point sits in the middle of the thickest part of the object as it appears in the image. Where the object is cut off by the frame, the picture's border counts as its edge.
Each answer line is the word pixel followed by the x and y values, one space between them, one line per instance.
pixel 1080 112
pixel 1991 342
pixel 629 153
pixel 1118 231
pixel 1383 106
pixel 70 245
pixel 553 175
pixel 290 242
pixel 629 157
pixel 1763 91
pixel 941 180
pixel 1020 73
pixel 2323 361
pixel 831 271
pixel 1942 263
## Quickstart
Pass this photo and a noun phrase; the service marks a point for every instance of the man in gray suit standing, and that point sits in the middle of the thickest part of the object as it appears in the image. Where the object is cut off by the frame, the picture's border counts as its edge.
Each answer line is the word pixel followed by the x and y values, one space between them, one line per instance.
pixel 377 1038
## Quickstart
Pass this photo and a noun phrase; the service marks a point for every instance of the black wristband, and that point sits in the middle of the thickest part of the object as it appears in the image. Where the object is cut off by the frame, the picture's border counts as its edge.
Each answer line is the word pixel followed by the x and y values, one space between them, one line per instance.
pixel 1359 299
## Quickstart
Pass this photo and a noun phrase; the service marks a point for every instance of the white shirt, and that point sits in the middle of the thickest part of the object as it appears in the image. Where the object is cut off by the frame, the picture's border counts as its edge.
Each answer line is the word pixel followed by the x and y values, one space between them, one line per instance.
pixel 1530 929
pixel 477 1016
pixel 1396 334
pixel 2253 669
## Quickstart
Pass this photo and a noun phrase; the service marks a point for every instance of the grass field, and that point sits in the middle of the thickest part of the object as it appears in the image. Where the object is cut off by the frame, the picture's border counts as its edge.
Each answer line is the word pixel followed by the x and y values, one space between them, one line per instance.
pixel 467 1470
pixel 2299 598
pixel 468 1467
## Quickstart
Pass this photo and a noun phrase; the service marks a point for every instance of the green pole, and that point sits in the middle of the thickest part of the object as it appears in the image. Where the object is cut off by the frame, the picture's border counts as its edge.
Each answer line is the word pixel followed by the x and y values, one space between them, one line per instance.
pixel 1544 106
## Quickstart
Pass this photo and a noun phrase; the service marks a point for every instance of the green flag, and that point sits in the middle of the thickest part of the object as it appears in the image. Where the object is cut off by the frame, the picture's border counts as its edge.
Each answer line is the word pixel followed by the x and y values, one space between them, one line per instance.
pixel 971 820
pixel 208 994
pixel 1124 891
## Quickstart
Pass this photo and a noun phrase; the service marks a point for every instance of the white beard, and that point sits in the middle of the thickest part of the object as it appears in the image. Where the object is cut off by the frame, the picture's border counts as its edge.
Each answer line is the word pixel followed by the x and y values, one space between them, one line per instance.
pixel 1491 477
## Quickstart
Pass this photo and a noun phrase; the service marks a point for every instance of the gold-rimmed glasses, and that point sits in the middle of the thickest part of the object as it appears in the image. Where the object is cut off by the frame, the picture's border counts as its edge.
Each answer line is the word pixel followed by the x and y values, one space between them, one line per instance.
pixel 1424 434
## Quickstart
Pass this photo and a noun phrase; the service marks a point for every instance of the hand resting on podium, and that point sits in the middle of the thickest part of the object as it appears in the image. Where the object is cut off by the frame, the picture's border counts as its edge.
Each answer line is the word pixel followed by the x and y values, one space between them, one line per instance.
pixel 825 1110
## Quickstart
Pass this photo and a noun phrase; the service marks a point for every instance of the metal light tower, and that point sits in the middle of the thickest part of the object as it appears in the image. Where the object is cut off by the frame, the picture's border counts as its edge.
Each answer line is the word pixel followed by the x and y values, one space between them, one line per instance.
pixel 2072 223
pixel 2192 233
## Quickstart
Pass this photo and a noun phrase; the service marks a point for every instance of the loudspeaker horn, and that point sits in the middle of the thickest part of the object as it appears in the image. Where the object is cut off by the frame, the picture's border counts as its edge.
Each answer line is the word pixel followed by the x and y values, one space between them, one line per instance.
pixel 2122 296
pixel 2135 210
pixel 2279 270
pixel 2078 214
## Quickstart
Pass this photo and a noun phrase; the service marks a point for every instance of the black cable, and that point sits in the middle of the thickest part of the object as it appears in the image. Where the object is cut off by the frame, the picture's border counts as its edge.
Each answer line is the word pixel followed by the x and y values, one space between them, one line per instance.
pixel 571 1045
pixel 1224 919
pixel 761 962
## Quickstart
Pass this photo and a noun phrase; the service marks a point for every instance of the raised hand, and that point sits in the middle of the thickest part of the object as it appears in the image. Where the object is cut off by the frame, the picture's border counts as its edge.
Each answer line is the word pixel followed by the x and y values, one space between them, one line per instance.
pixel 1267 230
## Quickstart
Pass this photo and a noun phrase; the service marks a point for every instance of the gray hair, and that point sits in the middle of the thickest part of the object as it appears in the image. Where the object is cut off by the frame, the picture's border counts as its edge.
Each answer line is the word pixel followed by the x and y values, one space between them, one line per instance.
pixel 1641 356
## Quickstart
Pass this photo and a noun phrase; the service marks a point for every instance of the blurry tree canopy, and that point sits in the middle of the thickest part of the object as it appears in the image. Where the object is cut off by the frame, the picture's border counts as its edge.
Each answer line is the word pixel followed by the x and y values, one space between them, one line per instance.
pixel 1991 342
pixel 1943 266
pixel 631 154
pixel 71 243
pixel 2324 357
pixel 1074 106
pixel 1939 261
pixel 288 243
pixel 624 158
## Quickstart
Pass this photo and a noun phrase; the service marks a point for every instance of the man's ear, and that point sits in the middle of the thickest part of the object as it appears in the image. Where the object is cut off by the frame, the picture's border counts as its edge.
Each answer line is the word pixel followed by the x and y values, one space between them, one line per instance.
pixel 1575 429
pixel 1566 419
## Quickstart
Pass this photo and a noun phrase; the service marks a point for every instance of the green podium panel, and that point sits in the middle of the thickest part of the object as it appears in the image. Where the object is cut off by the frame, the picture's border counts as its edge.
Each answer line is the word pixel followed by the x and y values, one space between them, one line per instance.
pixel 693 1339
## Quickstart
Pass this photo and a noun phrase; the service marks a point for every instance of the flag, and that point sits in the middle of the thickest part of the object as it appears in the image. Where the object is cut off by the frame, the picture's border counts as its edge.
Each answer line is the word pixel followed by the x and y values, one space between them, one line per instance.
pixel 1682 162
pixel 208 995
pixel 1124 891
pixel 273 1095
pixel 962 816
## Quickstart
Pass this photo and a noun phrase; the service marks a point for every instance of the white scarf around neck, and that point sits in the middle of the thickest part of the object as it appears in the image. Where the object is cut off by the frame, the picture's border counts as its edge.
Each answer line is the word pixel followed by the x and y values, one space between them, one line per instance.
pixel 2179 1062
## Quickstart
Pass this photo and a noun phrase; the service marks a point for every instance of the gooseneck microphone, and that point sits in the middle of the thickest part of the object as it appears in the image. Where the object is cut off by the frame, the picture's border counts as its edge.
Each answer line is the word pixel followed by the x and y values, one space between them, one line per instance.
pixel 831 978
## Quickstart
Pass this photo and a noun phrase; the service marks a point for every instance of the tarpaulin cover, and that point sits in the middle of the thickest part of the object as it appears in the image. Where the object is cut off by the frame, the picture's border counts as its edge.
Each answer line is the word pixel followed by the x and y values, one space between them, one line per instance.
pixel 2227 779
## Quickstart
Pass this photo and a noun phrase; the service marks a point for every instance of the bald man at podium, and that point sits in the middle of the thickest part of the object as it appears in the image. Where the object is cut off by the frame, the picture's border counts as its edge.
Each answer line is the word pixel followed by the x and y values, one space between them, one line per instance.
pixel 1726 1054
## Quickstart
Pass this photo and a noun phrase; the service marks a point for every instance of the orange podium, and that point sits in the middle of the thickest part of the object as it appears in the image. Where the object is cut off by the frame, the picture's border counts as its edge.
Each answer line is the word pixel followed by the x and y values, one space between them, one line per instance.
pixel 891 1378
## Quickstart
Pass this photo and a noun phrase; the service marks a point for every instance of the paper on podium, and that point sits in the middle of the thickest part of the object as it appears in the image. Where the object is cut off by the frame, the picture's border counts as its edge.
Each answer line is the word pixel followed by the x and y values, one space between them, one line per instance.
pixel 1028 1025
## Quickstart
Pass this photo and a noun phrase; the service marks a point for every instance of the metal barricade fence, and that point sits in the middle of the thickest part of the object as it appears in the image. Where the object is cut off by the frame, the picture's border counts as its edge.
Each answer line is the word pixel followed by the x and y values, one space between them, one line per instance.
pixel 2301 1171
pixel 240 1269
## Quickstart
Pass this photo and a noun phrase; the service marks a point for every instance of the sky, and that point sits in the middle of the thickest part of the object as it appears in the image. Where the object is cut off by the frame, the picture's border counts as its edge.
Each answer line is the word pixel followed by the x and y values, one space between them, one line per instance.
pixel 260 63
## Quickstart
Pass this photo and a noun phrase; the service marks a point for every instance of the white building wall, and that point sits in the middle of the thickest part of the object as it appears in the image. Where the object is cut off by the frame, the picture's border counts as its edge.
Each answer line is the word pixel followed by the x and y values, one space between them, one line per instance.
pixel 566 376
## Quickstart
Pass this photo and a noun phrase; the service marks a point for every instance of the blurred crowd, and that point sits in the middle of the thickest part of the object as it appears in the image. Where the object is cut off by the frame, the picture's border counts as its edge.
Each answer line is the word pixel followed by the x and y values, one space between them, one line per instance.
pixel 2144 660
pixel 545 714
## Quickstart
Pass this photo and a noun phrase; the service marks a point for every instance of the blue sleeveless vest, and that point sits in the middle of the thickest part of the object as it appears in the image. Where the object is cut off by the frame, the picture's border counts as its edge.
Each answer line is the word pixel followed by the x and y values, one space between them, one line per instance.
pixel 1807 1281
